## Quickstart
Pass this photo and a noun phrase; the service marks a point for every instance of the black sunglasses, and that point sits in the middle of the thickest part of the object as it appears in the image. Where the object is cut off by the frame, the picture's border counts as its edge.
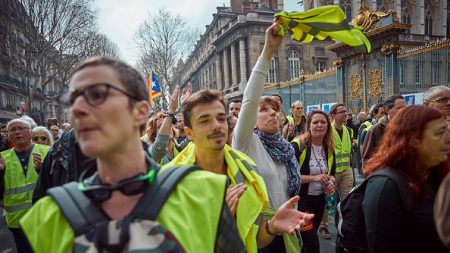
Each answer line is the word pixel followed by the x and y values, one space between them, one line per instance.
pixel 99 192
pixel 42 138
pixel 94 94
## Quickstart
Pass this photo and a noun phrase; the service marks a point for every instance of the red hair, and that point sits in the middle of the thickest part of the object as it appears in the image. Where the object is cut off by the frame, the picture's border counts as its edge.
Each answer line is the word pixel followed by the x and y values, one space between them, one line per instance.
pixel 396 149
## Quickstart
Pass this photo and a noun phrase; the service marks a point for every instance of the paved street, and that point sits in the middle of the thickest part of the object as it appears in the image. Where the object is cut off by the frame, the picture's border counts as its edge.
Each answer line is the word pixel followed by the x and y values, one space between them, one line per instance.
pixel 328 246
pixel 6 239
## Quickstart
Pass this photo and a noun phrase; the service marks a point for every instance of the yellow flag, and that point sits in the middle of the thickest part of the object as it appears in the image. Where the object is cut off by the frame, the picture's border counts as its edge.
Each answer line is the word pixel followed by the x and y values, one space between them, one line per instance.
pixel 323 23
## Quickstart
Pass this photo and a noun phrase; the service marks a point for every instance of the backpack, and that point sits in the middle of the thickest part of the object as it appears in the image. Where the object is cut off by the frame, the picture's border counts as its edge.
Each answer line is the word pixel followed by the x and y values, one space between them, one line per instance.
pixel 351 227
pixel 83 215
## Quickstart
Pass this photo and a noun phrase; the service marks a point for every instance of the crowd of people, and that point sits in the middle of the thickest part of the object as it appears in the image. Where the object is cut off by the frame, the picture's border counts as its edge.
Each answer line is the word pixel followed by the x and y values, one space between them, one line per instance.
pixel 207 177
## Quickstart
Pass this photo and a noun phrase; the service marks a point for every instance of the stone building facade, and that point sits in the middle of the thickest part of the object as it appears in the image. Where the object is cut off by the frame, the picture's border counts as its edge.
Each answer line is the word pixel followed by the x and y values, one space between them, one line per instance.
pixel 226 53
pixel 19 84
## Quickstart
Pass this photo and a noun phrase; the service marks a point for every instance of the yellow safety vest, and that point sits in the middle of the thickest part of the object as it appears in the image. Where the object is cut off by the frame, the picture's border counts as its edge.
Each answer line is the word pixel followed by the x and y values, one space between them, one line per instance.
pixel 191 213
pixel 19 188
pixel 240 169
pixel 342 148
pixel 303 155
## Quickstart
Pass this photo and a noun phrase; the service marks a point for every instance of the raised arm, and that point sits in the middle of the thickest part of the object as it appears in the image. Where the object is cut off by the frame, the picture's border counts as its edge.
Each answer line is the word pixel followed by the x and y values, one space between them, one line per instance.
pixel 243 131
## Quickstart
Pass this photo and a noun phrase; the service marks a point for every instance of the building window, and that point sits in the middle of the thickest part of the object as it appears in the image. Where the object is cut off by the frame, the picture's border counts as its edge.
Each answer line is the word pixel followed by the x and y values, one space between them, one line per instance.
pixel 294 64
pixel 346 5
pixel 384 5
pixel 428 19
pixel 406 12
pixel 402 75
pixel 320 66
pixel 418 72
pixel 434 68
pixel 9 101
pixel 271 75
pixel 448 18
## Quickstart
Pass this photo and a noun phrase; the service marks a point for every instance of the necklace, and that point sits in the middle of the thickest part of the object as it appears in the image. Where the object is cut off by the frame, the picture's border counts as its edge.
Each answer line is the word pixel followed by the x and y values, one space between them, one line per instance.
pixel 319 164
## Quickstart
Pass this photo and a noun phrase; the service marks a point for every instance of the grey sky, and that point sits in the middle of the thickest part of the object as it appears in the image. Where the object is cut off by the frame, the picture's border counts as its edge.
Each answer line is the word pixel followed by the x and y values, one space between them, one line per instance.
pixel 119 19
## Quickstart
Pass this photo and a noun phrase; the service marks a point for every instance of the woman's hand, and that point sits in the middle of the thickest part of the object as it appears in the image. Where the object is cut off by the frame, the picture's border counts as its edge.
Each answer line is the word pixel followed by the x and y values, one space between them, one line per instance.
pixel 272 42
pixel 321 178
pixel 173 102
pixel 329 187
pixel 287 219
pixel 186 93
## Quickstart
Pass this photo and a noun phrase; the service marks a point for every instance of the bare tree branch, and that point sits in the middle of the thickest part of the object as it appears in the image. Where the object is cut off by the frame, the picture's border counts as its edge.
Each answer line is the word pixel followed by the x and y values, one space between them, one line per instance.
pixel 162 40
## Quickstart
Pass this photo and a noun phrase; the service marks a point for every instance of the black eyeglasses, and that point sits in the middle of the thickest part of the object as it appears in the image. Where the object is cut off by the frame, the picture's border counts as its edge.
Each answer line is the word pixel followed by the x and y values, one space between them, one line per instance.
pixel 37 138
pixel 130 186
pixel 441 100
pixel 17 129
pixel 94 94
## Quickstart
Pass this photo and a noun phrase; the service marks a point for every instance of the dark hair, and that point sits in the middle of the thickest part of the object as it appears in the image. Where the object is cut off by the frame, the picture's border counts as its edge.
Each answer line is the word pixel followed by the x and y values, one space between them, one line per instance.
pixel 200 97
pixel 374 109
pixel 389 102
pixel 334 107
pixel 236 100
pixel 396 149
pixel 51 122
pixel 130 78
pixel 278 96
pixel 306 137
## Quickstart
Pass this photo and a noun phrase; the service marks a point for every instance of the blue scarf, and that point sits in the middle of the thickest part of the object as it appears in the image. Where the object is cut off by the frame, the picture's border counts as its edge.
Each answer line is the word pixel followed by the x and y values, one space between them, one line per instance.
pixel 281 150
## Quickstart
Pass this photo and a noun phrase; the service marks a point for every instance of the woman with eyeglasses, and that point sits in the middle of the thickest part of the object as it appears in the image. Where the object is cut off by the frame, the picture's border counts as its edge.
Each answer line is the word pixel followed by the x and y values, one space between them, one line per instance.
pixel 42 136
pixel 108 106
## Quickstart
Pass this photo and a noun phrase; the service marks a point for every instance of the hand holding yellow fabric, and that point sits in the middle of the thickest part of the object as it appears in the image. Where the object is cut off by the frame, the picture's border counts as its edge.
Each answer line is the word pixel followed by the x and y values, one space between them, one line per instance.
pixel 322 23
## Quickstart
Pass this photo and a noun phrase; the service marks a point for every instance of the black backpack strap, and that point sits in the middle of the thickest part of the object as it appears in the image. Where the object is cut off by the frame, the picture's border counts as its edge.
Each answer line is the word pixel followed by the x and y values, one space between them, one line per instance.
pixel 156 195
pixel 79 211
pixel 402 185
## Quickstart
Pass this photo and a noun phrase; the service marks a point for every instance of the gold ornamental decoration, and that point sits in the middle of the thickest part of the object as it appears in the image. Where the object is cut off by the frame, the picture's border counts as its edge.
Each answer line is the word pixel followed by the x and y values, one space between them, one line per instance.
pixel 366 17
pixel 355 87
pixel 388 49
pixel 375 89
pixel 338 62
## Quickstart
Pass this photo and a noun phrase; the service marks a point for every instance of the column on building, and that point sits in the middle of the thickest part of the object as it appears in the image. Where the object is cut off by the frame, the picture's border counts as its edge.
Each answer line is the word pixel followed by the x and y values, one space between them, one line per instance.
pixel 226 70
pixel 219 81
pixel 234 70
pixel 242 63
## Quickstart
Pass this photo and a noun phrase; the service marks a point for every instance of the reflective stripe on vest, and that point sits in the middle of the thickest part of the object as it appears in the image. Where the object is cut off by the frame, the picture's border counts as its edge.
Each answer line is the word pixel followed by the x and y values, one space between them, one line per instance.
pixel 22 189
pixel 18 189
pixel 342 148
pixel 18 207
pixel 303 155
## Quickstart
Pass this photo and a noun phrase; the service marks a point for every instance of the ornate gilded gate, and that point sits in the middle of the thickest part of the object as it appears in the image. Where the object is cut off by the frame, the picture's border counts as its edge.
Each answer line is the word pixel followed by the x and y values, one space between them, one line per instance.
pixel 365 79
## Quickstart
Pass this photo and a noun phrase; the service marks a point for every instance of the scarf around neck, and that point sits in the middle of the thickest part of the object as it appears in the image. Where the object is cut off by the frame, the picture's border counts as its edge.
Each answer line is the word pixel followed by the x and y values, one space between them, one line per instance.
pixel 280 150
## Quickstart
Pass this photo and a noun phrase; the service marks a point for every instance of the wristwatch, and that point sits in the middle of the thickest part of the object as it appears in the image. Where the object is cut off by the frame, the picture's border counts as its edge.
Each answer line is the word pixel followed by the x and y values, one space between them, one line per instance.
pixel 172 117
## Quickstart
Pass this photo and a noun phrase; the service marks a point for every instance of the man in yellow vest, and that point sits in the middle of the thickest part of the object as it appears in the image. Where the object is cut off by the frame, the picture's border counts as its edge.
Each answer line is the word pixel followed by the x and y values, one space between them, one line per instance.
pixel 342 142
pixel 297 122
pixel 19 168
pixel 206 125
pixel 109 103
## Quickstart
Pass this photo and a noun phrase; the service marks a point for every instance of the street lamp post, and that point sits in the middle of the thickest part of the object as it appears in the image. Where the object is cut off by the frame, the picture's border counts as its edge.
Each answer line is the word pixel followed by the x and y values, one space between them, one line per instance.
pixel 302 86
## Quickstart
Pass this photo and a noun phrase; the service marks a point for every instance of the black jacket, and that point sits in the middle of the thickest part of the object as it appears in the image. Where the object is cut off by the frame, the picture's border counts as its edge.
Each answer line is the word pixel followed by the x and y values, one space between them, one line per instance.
pixel 63 164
